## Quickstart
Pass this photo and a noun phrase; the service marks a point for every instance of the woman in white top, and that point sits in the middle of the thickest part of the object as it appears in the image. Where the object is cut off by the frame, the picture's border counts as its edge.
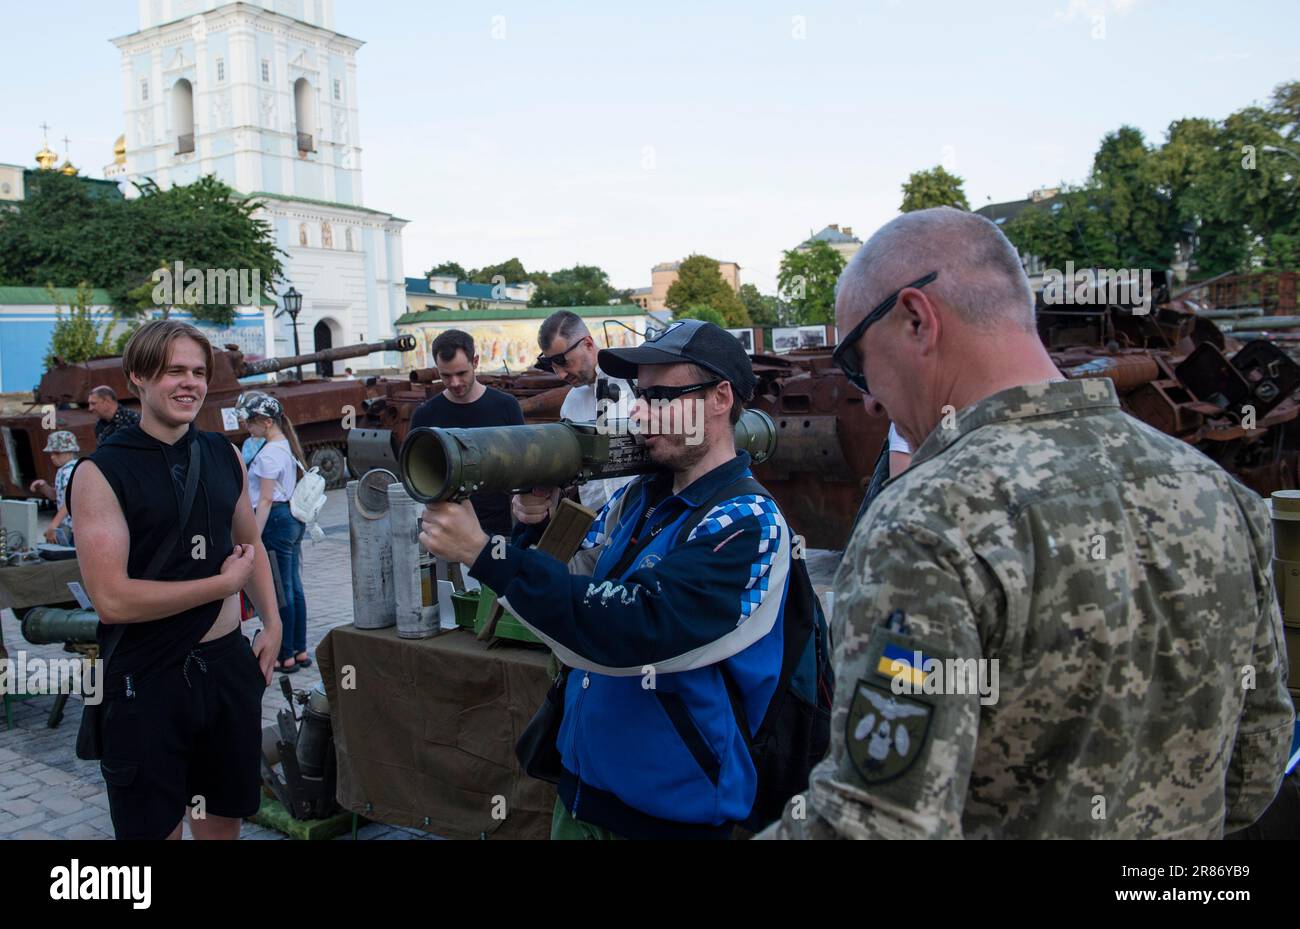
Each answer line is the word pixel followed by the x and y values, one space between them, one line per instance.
pixel 272 477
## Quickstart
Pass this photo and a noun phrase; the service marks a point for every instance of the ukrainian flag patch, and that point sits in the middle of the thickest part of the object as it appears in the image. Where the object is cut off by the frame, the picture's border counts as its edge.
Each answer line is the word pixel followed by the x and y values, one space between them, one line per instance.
pixel 898 662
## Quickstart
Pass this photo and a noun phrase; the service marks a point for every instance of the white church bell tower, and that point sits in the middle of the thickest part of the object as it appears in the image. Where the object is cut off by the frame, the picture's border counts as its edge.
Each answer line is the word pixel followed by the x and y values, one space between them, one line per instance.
pixel 263 94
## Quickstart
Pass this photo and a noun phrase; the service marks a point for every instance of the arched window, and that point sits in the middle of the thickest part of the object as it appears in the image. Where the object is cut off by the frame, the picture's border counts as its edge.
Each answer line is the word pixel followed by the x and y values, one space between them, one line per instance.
pixel 304 112
pixel 347 237
pixel 183 116
pixel 326 235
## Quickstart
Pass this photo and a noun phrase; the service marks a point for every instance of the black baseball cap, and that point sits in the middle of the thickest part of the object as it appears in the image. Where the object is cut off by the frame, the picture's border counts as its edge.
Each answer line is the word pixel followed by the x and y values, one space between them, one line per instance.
pixel 692 341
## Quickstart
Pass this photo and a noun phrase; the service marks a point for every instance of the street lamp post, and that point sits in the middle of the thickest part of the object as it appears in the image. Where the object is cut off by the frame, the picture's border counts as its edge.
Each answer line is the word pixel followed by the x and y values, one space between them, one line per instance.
pixel 293 306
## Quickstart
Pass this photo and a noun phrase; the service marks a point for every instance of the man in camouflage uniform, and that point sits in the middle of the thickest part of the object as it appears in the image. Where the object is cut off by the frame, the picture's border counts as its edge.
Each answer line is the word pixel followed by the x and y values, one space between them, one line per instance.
pixel 1121 580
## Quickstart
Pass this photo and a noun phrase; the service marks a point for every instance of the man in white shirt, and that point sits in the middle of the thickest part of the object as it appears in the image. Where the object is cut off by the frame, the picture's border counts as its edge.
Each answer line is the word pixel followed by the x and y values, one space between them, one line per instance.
pixel 570 352
pixel 900 453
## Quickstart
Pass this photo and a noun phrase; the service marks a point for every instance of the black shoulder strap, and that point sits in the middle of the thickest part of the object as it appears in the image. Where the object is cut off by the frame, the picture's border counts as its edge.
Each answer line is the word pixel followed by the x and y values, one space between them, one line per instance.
pixel 879 478
pixel 164 551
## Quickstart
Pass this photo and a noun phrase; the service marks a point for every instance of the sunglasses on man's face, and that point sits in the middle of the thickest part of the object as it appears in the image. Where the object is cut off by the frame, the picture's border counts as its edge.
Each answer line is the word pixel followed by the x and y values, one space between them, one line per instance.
pixel 664 393
pixel 846 355
pixel 548 362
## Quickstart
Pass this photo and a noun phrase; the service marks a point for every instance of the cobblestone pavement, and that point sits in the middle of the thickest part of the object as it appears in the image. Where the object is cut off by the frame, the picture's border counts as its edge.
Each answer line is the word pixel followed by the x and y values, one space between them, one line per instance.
pixel 47 792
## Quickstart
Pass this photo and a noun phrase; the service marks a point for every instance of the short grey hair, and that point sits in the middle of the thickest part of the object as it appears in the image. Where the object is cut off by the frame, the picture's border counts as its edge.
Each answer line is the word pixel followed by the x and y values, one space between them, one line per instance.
pixel 103 390
pixel 980 274
pixel 562 323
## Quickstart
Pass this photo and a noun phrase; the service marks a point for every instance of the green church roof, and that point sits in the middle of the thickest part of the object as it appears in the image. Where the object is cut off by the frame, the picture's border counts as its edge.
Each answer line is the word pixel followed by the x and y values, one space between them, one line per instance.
pixel 530 312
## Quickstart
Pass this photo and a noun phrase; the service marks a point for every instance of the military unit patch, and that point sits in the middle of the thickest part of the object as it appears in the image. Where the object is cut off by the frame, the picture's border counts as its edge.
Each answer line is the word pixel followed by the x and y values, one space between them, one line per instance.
pixel 885 732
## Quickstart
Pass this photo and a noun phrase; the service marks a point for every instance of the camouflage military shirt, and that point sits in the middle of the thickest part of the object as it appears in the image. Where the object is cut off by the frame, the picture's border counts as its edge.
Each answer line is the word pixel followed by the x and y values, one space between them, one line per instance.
pixel 1122 583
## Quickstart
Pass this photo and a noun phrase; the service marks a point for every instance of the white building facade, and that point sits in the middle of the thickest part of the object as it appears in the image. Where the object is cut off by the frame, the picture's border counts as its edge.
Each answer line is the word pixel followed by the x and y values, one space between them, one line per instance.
pixel 263 94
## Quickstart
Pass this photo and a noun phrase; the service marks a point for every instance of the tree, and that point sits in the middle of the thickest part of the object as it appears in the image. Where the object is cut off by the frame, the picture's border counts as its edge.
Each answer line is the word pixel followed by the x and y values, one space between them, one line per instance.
pixel 448 269
pixel 763 310
pixel 700 284
pixel 706 313
pixel 1197 168
pixel 807 282
pixel 1228 188
pixel 63 235
pixel 1125 188
pixel 581 285
pixel 512 271
pixel 205 225
pixel 935 187
pixel 1071 227
pixel 78 336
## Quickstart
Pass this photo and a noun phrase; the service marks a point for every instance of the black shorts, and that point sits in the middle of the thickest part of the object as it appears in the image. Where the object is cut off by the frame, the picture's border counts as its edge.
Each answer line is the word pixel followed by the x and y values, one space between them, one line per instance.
pixel 190 731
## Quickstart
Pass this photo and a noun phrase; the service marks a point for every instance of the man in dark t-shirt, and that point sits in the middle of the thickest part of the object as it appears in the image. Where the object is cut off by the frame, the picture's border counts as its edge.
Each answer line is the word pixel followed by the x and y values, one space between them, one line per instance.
pixel 465 403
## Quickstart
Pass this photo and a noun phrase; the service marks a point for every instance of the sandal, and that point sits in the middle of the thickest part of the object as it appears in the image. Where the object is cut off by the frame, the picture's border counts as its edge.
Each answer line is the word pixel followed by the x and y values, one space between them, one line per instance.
pixel 304 661
pixel 286 669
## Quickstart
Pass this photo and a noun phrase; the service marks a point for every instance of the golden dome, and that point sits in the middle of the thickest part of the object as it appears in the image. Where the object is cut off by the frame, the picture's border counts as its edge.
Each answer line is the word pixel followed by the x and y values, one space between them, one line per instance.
pixel 46 159
pixel 119 150
pixel 68 169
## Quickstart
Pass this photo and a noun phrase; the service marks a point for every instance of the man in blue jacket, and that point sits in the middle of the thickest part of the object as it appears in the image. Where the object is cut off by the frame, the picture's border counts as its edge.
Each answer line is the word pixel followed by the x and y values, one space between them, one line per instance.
pixel 661 627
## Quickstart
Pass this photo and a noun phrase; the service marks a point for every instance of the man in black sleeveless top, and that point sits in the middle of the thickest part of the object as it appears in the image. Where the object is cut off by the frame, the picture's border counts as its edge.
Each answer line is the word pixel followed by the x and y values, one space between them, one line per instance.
pixel 182 715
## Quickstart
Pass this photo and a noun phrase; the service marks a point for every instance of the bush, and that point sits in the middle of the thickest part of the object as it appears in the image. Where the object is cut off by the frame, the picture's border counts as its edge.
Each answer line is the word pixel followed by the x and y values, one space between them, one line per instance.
pixel 78 336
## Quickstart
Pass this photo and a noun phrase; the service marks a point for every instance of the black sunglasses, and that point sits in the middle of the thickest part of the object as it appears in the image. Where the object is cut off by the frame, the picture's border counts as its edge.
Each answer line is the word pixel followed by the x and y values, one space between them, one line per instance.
pixel 664 394
pixel 846 355
pixel 548 362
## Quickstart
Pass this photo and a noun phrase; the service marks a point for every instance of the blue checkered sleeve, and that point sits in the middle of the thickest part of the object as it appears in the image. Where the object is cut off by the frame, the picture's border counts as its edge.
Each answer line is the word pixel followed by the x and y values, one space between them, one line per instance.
pixel 771 529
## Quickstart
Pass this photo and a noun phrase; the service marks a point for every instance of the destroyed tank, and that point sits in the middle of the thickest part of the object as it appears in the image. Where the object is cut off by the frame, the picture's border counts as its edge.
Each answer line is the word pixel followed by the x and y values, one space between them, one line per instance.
pixel 1172 367
pixel 826 439
pixel 1232 396
pixel 318 408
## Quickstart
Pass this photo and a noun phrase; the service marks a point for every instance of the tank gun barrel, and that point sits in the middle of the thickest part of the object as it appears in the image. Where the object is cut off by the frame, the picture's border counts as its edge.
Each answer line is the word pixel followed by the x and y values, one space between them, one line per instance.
pixel 401 343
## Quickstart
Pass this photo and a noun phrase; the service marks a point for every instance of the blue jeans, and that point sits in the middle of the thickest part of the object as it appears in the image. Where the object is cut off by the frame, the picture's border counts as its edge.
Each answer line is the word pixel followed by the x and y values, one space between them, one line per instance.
pixel 283 540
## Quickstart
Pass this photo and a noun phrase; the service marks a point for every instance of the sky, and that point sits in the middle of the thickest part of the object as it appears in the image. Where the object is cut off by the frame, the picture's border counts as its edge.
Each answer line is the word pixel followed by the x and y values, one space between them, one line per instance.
pixel 625 134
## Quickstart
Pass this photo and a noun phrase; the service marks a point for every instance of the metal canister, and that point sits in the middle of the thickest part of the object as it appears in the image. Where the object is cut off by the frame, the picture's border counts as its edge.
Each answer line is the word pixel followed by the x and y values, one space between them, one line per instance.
pixel 371 534
pixel 315 733
pixel 1286 577
pixel 414 619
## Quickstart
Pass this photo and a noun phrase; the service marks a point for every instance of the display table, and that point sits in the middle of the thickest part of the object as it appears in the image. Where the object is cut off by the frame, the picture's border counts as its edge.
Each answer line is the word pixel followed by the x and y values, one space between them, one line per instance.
pixel 425 735
pixel 43 583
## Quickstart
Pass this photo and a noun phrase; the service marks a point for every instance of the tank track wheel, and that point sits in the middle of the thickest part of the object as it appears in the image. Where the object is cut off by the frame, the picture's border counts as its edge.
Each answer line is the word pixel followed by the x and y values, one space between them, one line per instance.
pixel 329 457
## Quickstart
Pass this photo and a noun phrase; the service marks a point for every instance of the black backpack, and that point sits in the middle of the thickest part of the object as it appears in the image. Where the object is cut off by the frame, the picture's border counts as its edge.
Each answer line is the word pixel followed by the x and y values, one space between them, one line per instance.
pixel 795 733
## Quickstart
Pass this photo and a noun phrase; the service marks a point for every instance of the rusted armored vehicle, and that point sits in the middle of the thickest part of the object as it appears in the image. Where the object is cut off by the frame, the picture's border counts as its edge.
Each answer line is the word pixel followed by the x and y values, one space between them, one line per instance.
pixel 318 408
pixel 827 440
pixel 827 443
pixel 1173 368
